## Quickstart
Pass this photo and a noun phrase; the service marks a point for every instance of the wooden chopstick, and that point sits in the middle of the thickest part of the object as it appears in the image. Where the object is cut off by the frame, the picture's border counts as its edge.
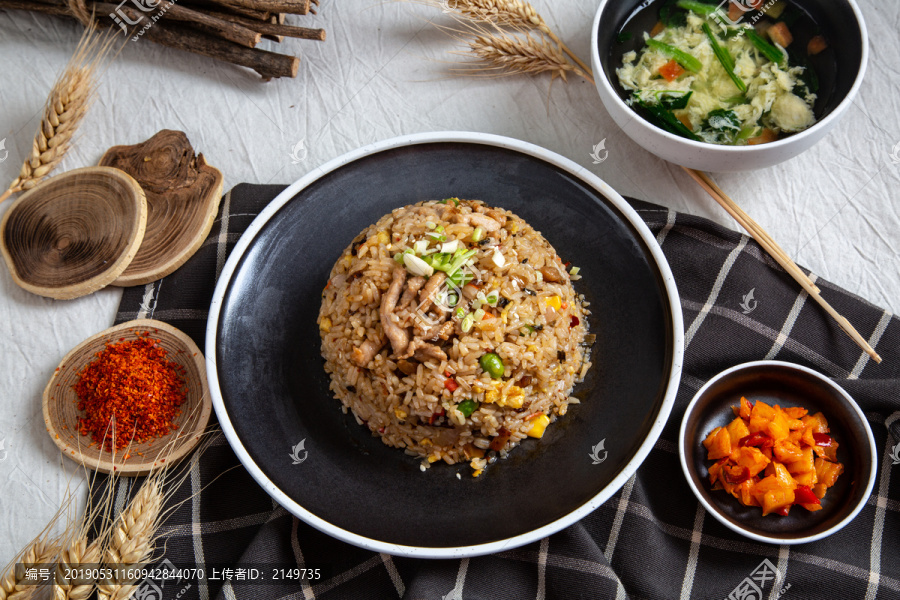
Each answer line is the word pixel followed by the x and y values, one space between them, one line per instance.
pixel 780 256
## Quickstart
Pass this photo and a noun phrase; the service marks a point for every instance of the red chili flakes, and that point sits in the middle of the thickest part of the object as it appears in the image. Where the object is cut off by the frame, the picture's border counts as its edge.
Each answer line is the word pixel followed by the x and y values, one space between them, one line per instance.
pixel 130 393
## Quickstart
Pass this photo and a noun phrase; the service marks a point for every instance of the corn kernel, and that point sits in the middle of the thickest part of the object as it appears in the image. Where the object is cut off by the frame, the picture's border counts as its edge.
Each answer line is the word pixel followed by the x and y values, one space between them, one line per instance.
pixel 401 414
pixel 425 442
pixel 553 302
pixel 513 227
pixel 531 348
pixel 382 237
pixel 492 396
pixel 539 426
pixel 433 458
pixel 477 472
pixel 325 324
pixel 348 260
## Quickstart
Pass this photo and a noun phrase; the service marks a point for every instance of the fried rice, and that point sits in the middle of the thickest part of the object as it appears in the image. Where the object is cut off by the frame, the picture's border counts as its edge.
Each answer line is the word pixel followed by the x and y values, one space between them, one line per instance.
pixel 452 329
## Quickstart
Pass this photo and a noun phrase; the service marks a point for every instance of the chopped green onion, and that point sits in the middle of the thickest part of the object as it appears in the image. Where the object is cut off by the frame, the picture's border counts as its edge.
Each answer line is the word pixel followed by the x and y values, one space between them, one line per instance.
pixel 437 236
pixel 526 330
pixel 477 304
pixel 460 278
pixel 479 314
pixel 454 200
pixel 420 246
pixel 458 260
pixel 430 225
pixel 467 407
pixel 460 312
pixel 477 234
pixel 439 228
pixel 452 300
pixel 574 271
pixel 700 8
pixel 417 266
pixel 467 322
pixel 398 257
pixel 766 49
pixel 724 57
pixel 493 297
pixel 684 59
pixel 450 247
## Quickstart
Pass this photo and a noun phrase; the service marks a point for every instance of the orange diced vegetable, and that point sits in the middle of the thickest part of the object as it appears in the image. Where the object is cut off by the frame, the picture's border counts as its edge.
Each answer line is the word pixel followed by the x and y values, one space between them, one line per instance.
pixel 657 29
pixel 787 451
pixel 795 412
pixel 760 416
pixel 805 464
pixel 745 409
pixel 780 34
pixel 828 471
pixel 776 500
pixel 753 459
pixel 773 457
pixel 766 137
pixel 721 445
pixel 671 70
pixel 777 427
pixel 816 45
pixel 737 429
pixel 686 121
pixel 734 12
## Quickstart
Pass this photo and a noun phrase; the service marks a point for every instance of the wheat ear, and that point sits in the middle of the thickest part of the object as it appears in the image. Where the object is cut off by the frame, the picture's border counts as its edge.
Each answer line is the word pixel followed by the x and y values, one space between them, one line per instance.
pixel 515 13
pixel 132 538
pixel 68 102
pixel 43 551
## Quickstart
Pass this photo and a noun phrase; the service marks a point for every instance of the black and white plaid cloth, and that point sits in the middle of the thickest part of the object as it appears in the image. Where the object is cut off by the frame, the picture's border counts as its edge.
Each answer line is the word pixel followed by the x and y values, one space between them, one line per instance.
pixel 650 540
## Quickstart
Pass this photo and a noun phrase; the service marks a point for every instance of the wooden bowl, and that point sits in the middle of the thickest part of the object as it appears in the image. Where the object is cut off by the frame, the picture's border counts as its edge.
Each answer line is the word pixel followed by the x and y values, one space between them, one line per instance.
pixel 75 233
pixel 60 402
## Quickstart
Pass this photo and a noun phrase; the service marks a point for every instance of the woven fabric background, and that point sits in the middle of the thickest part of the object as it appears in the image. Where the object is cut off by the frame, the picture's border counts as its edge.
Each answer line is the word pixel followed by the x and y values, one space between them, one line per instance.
pixel 651 540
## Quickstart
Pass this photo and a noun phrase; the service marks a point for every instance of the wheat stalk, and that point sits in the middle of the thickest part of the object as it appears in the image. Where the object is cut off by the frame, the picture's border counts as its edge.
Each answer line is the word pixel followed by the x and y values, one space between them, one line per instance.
pixel 517 14
pixel 68 102
pixel 514 54
pixel 42 551
pixel 132 539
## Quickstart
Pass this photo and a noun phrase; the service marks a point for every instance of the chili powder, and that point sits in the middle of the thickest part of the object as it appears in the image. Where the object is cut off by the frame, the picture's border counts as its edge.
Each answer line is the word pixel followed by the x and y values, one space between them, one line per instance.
pixel 130 393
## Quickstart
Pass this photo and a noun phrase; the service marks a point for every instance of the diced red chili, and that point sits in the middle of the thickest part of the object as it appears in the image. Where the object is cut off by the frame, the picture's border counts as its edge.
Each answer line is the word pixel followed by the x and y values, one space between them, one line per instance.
pixel 736 474
pixel 573 321
pixel 804 495
pixel 436 415
pixel 783 511
pixel 758 439
pixel 451 384
pixel 822 439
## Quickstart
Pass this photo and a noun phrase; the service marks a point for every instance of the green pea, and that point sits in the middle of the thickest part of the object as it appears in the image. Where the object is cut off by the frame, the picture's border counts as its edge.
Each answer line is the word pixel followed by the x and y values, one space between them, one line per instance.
pixel 492 365
pixel 467 407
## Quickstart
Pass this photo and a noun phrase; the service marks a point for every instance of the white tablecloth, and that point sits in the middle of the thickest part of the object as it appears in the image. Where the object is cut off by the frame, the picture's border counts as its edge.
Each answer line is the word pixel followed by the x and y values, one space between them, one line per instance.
pixel 383 72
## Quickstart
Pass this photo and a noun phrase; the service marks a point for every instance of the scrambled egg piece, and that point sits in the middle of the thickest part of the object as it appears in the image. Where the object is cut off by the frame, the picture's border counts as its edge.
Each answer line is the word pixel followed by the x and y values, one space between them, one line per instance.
pixel 770 100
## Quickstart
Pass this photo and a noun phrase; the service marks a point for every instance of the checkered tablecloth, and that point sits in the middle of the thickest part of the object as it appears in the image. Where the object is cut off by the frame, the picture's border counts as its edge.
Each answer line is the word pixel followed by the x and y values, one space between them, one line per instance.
pixel 650 540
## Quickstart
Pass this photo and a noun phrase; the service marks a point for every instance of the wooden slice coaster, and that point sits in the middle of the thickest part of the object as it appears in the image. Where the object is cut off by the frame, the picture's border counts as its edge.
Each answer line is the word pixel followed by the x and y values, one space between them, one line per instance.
pixel 60 402
pixel 74 233
pixel 183 195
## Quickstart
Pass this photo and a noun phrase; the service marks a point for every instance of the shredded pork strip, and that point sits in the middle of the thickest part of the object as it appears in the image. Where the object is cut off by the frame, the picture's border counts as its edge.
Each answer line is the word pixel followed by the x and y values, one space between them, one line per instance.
pixel 397 335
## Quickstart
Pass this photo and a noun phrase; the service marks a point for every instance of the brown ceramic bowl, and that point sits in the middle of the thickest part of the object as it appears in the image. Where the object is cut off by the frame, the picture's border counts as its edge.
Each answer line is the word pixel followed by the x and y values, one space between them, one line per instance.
pixel 60 403
pixel 785 384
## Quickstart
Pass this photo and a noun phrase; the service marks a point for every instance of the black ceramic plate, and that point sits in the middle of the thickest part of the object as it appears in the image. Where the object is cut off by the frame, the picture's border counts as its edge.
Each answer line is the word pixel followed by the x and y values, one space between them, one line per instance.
pixel 785 384
pixel 271 392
